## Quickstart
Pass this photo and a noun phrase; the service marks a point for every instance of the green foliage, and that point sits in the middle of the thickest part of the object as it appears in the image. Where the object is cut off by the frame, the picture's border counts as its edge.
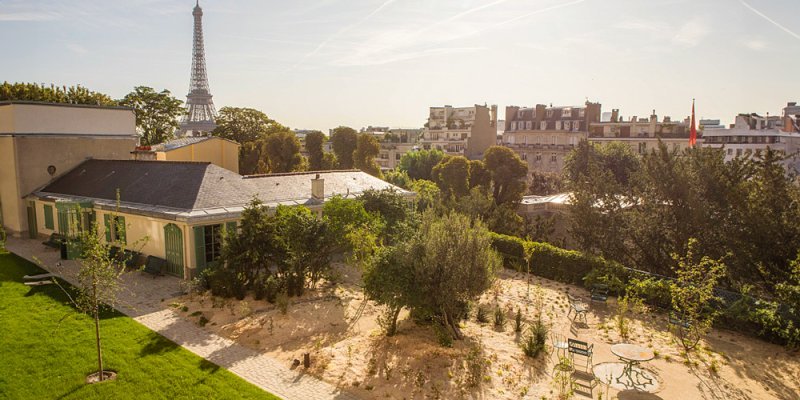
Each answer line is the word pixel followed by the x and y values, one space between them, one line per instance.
pixel 389 281
pixel 419 164
pixel 389 205
pixel 293 247
pixel 344 141
pixel 535 342
pixel 398 178
pixel 244 125
pixel 479 176
pixel 499 318
pixel 428 194
pixel 316 156
pixel 53 94
pixel 452 176
pixel 546 183
pixel 518 321
pixel 344 216
pixel 283 153
pixel 480 315
pixel 156 113
pixel 508 174
pixel 692 292
pixel 367 148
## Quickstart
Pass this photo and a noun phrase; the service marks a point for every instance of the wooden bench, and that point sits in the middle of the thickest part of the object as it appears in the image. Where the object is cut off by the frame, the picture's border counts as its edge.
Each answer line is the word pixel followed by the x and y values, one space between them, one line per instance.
pixel 155 266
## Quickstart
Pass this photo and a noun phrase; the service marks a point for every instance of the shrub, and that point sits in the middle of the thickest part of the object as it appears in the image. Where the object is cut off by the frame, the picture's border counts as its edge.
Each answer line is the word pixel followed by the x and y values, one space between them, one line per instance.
pixel 271 288
pixel 282 301
pixel 536 339
pixel 518 321
pixel 443 335
pixel 480 315
pixel 499 318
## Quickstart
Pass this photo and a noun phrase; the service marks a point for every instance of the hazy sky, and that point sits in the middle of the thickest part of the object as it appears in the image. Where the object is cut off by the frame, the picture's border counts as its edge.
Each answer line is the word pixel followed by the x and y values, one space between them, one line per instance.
pixel 320 64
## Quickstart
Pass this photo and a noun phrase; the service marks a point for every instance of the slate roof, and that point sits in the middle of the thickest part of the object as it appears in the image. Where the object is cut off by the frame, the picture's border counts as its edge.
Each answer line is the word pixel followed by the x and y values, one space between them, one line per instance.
pixel 185 141
pixel 197 189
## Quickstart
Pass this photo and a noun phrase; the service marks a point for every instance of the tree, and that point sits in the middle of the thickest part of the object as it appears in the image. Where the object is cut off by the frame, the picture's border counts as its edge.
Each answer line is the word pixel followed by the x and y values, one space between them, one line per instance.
pixel 389 205
pixel 344 141
pixel 479 176
pixel 398 178
pixel 53 94
pixel 445 281
pixel 253 158
pixel 316 156
pixel 244 125
pixel 389 281
pixel 346 215
pixel 692 292
pixel 307 248
pixel 283 153
pixel 428 194
pixel 508 173
pixel 156 113
pixel 452 176
pixel 367 148
pixel 419 164
pixel 544 183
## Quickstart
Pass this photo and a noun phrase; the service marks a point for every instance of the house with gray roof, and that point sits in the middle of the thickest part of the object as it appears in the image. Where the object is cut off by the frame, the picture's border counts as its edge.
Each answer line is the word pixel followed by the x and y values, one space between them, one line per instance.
pixel 175 210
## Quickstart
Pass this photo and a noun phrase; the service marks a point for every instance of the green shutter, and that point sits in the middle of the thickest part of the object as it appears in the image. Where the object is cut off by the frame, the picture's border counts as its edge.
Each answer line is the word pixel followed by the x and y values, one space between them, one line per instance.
pixel 199 248
pixel 121 236
pixel 48 216
pixel 107 223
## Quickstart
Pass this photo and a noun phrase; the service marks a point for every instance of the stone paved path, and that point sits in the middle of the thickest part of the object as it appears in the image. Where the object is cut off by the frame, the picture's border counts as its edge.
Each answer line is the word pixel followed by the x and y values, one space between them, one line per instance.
pixel 143 298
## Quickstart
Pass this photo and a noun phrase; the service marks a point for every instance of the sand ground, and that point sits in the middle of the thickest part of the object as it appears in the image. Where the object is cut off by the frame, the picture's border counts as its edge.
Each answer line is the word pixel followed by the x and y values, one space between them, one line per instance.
pixel 339 329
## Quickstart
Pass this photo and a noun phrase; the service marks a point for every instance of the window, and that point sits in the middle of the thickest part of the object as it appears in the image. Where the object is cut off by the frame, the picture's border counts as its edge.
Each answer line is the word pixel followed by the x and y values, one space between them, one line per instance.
pixel 549 113
pixel 642 148
pixel 213 241
pixel 543 125
pixel 48 216
pixel 538 156
pixel 576 125
pixel 519 113
pixel 115 228
pixel 513 125
pixel 524 156
pixel 738 152
pixel 730 152
pixel 553 158
pixel 566 113
pixel 581 113
pixel 528 125
pixel 397 156
pixel 567 125
pixel 558 125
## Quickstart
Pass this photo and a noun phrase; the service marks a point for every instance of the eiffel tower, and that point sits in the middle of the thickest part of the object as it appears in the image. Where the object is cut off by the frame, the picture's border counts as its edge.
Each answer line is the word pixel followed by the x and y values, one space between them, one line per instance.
pixel 200 111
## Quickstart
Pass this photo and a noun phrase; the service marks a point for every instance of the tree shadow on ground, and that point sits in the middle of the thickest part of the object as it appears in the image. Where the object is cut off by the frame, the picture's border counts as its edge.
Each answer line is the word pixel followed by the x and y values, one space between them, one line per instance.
pixel 637 395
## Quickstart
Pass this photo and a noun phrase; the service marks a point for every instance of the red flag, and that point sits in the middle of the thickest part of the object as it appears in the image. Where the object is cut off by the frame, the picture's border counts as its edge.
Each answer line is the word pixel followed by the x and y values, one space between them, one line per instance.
pixel 693 133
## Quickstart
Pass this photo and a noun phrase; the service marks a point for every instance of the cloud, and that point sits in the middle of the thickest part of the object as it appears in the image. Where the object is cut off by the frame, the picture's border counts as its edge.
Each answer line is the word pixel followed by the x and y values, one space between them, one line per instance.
pixel 28 16
pixel 76 48
pixel 755 44
pixel 770 20
pixel 691 33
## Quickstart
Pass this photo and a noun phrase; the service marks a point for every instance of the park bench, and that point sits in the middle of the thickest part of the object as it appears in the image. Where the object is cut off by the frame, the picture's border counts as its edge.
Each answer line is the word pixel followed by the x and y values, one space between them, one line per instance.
pixel 155 266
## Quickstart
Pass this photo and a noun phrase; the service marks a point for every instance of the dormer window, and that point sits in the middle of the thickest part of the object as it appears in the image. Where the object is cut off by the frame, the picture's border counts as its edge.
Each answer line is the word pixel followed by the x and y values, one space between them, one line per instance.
pixel 566 113
pixel 582 113
pixel 549 113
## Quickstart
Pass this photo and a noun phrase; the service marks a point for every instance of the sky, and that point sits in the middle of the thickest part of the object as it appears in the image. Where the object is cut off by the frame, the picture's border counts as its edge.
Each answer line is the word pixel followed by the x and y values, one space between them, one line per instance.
pixel 321 64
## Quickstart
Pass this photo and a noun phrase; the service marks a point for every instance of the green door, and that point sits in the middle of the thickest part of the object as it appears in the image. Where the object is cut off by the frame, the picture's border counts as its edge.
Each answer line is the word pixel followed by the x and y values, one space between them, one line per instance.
pixel 173 241
pixel 33 231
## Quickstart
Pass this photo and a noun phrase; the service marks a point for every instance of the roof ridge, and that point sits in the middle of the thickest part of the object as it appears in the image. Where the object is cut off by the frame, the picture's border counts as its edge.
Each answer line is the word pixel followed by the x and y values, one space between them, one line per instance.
pixel 298 173
pixel 149 161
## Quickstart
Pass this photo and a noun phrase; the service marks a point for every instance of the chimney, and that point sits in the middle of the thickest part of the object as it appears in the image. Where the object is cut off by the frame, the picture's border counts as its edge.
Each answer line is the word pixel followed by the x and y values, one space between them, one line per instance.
pixel 653 117
pixel 318 188
pixel 615 115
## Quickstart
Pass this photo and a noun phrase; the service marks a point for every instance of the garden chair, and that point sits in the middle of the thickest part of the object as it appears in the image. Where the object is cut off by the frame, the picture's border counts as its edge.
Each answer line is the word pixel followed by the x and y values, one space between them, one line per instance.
pixel 580 349
pixel 599 292
pixel 577 306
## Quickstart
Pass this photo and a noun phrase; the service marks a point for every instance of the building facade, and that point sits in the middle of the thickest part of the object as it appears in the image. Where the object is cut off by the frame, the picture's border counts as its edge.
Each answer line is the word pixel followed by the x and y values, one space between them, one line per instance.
pixel 41 141
pixel 218 151
pixel 752 134
pixel 543 136
pixel 466 131
pixel 395 143
pixel 642 134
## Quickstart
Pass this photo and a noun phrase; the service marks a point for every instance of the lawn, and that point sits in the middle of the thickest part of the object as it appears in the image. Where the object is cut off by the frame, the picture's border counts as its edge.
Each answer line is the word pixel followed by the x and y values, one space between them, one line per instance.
pixel 45 357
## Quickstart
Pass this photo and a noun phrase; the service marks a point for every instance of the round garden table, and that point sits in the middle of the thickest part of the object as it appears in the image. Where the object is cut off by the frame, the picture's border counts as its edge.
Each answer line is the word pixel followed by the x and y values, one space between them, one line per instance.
pixel 632 355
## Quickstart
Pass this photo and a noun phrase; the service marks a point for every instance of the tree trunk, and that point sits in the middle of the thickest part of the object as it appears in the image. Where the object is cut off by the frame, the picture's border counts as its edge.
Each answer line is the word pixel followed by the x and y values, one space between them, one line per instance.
pixel 453 325
pixel 395 312
pixel 97 340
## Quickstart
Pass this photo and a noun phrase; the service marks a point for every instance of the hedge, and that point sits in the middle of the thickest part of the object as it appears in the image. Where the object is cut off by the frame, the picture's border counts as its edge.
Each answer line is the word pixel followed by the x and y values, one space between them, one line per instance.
pixel 548 261
pixel 741 313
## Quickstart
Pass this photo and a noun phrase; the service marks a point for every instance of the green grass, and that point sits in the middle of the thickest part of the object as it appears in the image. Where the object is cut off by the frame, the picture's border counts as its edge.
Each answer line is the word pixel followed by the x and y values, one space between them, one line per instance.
pixel 42 358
